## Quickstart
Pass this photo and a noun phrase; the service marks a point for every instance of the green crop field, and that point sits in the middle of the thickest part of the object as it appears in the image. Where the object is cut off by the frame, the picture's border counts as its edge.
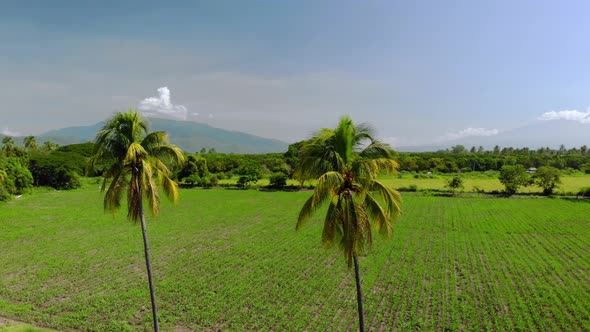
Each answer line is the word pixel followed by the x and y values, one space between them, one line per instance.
pixel 570 184
pixel 230 260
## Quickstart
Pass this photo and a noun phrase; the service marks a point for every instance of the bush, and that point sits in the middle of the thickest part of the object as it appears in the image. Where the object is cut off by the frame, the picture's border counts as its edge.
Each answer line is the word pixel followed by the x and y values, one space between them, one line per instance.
pixel 245 180
pixel 18 177
pixel 584 192
pixel 58 170
pixel 4 194
pixel 410 188
pixel 278 180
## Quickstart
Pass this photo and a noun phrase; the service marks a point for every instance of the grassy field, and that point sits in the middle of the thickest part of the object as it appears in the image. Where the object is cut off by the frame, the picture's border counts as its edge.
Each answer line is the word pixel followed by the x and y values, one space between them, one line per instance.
pixel 230 260
pixel 570 184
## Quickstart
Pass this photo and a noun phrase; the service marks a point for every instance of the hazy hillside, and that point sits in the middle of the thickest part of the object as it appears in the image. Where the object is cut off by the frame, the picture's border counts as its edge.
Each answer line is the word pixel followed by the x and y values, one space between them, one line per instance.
pixel 536 135
pixel 189 136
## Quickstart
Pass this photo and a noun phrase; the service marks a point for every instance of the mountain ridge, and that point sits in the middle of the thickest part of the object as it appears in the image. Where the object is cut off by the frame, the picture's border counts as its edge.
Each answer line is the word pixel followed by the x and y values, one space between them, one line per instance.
pixel 188 135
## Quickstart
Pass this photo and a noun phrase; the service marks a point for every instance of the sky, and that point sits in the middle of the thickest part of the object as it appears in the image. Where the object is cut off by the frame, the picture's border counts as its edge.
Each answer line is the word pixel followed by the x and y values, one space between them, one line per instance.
pixel 420 72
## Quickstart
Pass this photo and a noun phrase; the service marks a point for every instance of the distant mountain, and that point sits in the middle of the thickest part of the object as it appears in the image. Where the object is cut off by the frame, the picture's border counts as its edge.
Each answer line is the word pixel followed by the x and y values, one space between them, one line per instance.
pixel 539 134
pixel 189 136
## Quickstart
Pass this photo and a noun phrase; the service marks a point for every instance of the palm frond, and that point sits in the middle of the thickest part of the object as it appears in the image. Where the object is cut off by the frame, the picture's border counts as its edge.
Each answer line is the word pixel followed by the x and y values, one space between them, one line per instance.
pixel 391 197
pixel 325 189
pixel 113 195
pixel 135 152
pixel 150 189
pixel 332 229
pixel 382 219
pixel 134 198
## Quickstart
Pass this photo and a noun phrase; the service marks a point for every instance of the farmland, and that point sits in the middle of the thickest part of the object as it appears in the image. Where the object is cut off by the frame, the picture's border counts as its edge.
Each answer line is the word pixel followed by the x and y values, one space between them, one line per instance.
pixel 230 260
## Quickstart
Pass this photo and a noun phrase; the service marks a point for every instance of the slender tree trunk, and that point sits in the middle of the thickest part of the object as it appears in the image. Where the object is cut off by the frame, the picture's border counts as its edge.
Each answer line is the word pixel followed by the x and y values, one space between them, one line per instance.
pixel 359 295
pixel 148 265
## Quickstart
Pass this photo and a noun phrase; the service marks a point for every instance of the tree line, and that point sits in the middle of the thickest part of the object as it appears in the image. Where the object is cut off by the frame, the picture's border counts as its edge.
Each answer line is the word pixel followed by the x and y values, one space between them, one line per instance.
pixel 60 167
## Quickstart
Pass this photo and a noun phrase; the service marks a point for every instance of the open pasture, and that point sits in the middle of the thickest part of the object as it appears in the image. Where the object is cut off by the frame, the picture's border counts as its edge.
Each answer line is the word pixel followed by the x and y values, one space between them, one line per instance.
pixel 230 260
pixel 570 184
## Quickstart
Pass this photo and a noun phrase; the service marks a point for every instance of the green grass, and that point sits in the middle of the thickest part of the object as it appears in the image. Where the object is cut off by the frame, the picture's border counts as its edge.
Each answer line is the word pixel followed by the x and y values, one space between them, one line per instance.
pixel 22 328
pixel 570 184
pixel 230 260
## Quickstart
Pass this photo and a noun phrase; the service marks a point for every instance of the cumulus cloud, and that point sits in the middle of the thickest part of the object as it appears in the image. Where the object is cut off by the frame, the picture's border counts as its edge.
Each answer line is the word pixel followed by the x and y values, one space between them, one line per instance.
pixel 573 115
pixel 161 105
pixel 470 132
pixel 8 132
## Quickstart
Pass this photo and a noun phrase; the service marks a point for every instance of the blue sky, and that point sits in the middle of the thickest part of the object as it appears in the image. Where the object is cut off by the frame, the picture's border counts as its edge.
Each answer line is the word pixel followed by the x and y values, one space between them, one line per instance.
pixel 420 72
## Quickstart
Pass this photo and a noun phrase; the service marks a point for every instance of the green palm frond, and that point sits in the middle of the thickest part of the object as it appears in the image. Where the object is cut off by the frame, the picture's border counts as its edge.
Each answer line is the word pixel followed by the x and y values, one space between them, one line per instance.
pixel 327 185
pixel 391 197
pixel 135 153
pixel 383 222
pixel 114 193
pixel 136 162
pixel 332 228
pixel 170 188
pixel 347 162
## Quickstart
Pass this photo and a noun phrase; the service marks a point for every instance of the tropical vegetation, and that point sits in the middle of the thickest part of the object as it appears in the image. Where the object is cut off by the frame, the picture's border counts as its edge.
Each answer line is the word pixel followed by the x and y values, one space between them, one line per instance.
pixel 347 162
pixel 136 166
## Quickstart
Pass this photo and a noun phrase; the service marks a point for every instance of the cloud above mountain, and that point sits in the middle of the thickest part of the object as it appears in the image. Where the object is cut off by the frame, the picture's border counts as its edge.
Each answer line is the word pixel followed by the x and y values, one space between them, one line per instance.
pixel 162 106
pixel 8 132
pixel 573 115
pixel 469 132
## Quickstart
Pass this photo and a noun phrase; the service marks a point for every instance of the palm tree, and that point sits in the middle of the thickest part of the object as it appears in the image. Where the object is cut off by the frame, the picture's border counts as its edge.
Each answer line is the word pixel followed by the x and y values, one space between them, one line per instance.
pixel 8 146
pixel 347 162
pixel 49 146
pixel 30 143
pixel 135 162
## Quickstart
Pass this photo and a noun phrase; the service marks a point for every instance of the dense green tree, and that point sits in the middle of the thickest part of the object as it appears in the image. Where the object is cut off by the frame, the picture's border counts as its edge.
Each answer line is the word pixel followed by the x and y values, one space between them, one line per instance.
pixel 454 183
pixel 4 194
pixel 513 177
pixel 548 178
pixel 347 162
pixel 457 149
pixel 18 179
pixel 137 164
pixel 57 169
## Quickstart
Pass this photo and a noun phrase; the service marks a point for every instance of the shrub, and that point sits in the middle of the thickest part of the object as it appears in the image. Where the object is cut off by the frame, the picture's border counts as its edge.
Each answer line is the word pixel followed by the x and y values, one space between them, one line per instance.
pixel 278 180
pixel 410 188
pixel 584 192
pixel 245 180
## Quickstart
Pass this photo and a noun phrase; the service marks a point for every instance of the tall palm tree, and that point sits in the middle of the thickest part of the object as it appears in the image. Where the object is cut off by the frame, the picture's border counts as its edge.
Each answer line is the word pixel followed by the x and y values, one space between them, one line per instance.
pixel 8 146
pixel 347 162
pixel 30 143
pixel 49 146
pixel 135 162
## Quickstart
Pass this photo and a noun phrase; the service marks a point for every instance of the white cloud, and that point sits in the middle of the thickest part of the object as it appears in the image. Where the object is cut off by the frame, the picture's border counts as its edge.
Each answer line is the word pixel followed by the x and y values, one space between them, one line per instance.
pixel 8 132
pixel 470 132
pixel 161 105
pixel 573 115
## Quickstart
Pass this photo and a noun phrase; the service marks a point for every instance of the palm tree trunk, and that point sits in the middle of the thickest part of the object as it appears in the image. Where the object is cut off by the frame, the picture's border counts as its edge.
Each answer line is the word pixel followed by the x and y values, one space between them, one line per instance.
pixel 359 295
pixel 149 266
